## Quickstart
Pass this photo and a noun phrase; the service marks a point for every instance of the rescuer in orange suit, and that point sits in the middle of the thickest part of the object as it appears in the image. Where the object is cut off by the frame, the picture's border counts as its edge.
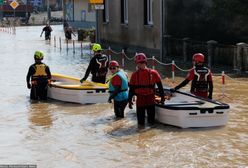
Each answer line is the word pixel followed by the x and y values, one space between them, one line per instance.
pixel 201 77
pixel 142 84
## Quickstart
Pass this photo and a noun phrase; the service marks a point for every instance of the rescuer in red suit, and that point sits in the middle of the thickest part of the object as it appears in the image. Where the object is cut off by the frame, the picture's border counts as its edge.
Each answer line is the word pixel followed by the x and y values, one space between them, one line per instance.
pixel 201 77
pixel 142 84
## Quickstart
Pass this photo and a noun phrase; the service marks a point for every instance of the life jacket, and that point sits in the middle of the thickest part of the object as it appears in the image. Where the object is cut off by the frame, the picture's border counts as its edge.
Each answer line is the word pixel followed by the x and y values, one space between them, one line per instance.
pixel 201 79
pixel 123 93
pixel 147 87
pixel 40 71
pixel 102 62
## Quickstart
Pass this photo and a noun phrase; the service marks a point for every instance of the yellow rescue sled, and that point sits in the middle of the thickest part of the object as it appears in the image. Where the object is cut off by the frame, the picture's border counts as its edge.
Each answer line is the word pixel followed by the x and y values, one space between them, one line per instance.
pixel 69 89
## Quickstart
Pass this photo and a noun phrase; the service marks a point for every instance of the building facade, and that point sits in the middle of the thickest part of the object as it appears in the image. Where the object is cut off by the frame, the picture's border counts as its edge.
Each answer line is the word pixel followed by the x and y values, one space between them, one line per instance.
pixel 78 13
pixel 131 25
pixel 175 29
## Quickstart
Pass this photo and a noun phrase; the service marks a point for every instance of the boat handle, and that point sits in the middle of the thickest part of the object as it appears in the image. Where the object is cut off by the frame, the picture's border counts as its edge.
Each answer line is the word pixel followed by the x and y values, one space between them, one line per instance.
pixel 90 92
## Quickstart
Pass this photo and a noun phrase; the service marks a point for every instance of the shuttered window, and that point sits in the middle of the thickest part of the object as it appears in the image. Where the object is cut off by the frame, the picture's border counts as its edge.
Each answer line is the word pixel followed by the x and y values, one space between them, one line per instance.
pixel 148 13
pixel 124 11
pixel 106 11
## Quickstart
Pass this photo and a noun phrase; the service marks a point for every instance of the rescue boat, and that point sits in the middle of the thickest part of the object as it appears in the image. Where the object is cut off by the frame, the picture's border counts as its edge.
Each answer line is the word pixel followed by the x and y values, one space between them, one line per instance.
pixel 186 110
pixel 69 89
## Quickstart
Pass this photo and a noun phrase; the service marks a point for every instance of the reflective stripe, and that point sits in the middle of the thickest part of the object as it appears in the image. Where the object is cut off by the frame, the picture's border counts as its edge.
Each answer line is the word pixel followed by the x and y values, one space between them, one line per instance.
pixel 40 70
pixel 200 81
pixel 102 61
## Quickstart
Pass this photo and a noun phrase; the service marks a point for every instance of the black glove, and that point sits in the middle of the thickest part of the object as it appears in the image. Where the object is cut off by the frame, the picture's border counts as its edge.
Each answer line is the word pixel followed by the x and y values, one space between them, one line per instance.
pixel 130 105
pixel 172 90
pixel 109 100
pixel 28 85
pixel 162 100
pixel 82 80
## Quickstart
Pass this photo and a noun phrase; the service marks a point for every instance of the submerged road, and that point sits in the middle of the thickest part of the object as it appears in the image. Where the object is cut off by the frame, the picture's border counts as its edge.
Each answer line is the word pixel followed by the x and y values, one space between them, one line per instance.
pixel 55 134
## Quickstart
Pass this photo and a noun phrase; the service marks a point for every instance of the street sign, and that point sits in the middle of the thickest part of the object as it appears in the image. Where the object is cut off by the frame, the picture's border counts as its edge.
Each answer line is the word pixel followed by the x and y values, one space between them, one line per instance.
pixel 96 1
pixel 14 4
pixel 97 7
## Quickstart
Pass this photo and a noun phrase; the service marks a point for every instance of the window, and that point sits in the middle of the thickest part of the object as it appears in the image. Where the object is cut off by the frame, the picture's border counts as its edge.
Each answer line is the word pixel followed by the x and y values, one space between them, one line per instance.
pixel 106 11
pixel 148 17
pixel 124 11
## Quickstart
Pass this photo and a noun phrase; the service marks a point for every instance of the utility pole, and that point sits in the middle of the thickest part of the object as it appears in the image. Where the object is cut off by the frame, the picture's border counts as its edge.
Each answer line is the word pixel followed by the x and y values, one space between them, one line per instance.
pixel 26 10
pixel 97 27
pixel 1 9
pixel 48 11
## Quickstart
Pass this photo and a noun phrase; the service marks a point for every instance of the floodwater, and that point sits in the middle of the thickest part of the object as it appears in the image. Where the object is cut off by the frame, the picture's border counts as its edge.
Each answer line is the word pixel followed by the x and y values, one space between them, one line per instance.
pixel 55 134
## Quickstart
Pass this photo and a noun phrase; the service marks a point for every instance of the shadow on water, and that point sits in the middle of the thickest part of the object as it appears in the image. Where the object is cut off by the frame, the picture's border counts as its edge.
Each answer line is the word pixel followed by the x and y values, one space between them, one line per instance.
pixel 128 127
pixel 171 128
pixel 129 115
pixel 67 104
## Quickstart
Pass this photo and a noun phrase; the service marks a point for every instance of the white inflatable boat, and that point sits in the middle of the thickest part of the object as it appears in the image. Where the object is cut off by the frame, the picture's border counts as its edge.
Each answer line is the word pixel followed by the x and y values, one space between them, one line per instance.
pixel 186 110
pixel 69 89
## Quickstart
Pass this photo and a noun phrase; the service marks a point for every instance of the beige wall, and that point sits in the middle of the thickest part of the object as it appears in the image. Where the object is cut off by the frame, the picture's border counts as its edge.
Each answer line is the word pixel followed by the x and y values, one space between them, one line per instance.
pixel 135 33
pixel 83 5
pixel 79 6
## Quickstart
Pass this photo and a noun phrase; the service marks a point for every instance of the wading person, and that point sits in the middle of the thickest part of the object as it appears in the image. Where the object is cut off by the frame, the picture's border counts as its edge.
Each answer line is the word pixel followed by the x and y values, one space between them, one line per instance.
pixel 39 73
pixel 201 77
pixel 118 89
pixel 68 33
pixel 142 84
pixel 98 66
pixel 47 29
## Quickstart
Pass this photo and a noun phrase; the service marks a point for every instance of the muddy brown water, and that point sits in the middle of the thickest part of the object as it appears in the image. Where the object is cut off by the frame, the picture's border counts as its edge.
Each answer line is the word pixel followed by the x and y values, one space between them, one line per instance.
pixel 56 134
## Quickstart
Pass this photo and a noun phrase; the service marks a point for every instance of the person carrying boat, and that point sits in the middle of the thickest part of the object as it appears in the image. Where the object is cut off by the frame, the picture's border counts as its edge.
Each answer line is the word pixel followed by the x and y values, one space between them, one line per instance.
pixel 47 29
pixel 142 84
pixel 98 66
pixel 118 89
pixel 201 77
pixel 40 75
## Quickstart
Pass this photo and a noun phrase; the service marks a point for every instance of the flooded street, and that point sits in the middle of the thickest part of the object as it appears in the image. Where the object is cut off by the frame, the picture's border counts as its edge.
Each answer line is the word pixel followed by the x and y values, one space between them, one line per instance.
pixel 55 134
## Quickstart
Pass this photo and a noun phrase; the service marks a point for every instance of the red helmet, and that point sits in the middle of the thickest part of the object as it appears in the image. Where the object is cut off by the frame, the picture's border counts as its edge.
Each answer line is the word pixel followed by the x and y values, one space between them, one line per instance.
pixel 140 57
pixel 113 64
pixel 198 57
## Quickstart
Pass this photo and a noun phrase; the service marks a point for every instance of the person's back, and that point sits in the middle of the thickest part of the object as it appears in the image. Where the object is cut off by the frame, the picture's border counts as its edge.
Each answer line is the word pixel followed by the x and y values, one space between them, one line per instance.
pixel 68 33
pixel 201 77
pixel 98 66
pixel 200 81
pixel 65 24
pixel 48 31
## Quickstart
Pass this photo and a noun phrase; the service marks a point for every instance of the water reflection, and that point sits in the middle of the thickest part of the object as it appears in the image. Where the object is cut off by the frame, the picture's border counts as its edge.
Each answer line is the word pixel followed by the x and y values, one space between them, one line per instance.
pixel 40 114
pixel 56 134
